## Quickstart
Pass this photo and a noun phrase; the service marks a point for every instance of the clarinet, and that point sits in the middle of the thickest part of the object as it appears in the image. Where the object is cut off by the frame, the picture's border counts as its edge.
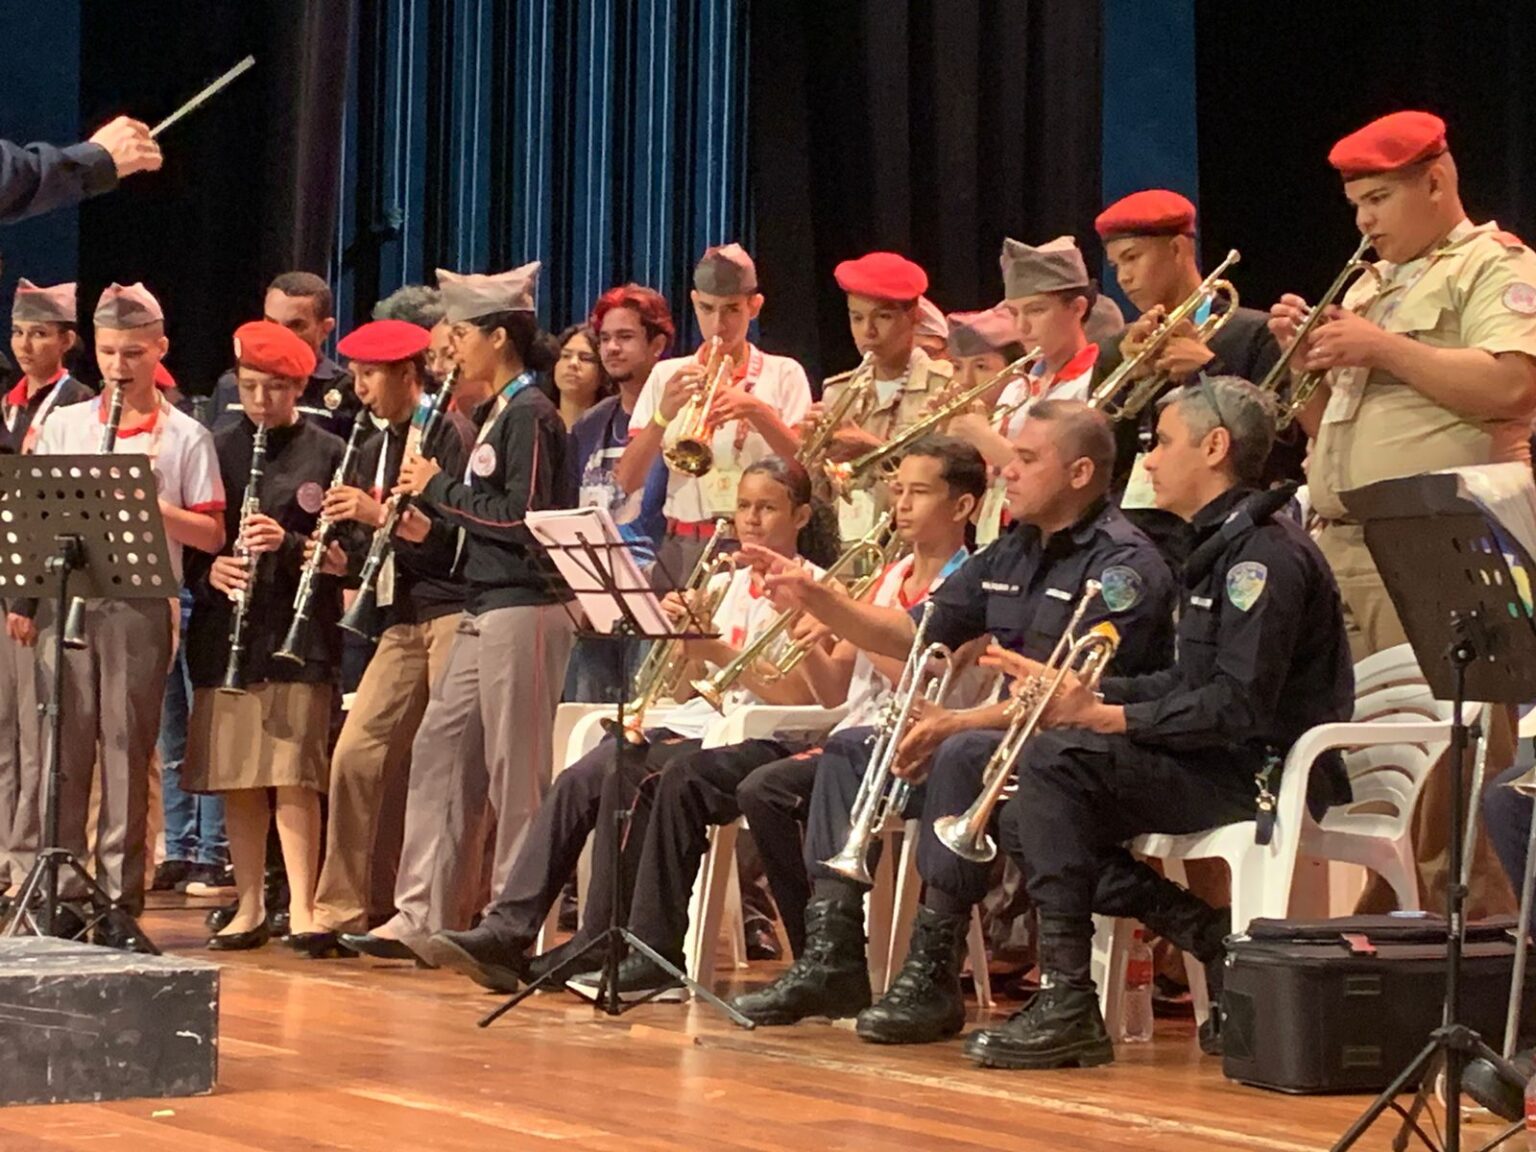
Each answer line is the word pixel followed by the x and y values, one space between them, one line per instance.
pixel 74 619
pixel 325 528
pixel 363 617
pixel 234 668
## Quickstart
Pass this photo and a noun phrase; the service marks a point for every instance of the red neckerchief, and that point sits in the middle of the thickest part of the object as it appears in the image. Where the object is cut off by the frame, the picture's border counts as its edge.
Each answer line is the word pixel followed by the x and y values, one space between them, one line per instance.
pixel 126 430
pixel 17 397
pixel 1084 359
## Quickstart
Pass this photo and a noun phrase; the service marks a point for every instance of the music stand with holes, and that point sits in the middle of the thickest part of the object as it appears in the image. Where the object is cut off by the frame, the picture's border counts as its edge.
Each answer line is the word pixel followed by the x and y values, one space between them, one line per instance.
pixel 1446 564
pixel 86 526
pixel 596 565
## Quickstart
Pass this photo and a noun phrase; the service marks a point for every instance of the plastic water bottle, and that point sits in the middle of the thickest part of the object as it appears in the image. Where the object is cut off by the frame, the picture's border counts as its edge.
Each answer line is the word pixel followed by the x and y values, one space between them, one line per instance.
pixel 1138 991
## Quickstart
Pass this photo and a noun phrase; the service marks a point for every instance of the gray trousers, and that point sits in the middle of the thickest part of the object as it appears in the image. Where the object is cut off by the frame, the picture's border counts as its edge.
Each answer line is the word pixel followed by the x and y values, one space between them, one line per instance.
pixel 21 762
pixel 485 739
pixel 113 692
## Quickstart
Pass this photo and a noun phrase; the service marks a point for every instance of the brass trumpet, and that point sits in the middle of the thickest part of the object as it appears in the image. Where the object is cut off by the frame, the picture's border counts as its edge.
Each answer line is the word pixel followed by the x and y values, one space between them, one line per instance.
pixel 879 548
pixel 690 450
pixel 1087 656
pixel 1305 384
pixel 851 474
pixel 1138 393
pixel 852 403
pixel 882 793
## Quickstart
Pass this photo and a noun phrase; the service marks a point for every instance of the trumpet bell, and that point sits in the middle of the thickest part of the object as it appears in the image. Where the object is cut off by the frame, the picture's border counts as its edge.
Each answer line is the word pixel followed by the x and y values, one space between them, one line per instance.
pixel 953 833
pixel 1525 784
pixel 693 457
pixel 850 866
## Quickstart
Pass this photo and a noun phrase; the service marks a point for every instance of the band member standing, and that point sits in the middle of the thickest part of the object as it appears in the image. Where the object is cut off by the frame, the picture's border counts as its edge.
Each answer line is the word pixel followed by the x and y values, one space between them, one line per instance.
pixel 773 510
pixel 486 734
pixel 1022 591
pixel 883 293
pixel 1262 657
pixel 303 303
pixel 419 603
pixel 1432 366
pixel 113 687
pixel 273 735
pixel 753 415
pixel 42 333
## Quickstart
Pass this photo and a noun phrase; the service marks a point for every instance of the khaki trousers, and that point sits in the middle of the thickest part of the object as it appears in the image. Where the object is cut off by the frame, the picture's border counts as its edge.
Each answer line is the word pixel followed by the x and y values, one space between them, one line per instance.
pixel 1373 625
pixel 21 762
pixel 371 762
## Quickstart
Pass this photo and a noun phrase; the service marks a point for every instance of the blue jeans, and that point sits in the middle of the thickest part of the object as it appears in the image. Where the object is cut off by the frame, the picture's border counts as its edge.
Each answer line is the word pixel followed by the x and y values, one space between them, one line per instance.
pixel 194 824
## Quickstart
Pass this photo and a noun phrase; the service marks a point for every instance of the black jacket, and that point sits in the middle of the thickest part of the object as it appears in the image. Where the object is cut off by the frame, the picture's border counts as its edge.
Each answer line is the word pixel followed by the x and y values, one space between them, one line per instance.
pixel 329 401
pixel 38 178
pixel 1024 593
pixel 71 391
pixel 517 466
pixel 300 462
pixel 425 584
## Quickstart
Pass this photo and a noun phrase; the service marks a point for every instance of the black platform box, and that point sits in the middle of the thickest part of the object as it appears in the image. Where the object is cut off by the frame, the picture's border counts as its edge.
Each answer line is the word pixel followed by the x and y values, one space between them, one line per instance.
pixel 78 1023
pixel 1344 1005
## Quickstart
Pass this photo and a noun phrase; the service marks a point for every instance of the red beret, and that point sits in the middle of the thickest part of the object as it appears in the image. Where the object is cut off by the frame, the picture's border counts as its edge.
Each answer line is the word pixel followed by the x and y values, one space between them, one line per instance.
pixel 882 275
pixel 271 348
pixel 1385 145
pixel 385 341
pixel 163 378
pixel 1154 212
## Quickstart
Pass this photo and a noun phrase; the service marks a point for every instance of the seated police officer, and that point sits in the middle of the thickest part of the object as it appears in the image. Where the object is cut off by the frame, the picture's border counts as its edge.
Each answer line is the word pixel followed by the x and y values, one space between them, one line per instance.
pixel 1021 590
pixel 1261 658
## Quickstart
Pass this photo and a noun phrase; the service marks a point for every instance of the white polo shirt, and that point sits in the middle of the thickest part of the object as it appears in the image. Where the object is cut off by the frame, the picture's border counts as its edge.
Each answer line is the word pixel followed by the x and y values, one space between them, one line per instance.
pixel 179 448
pixel 778 380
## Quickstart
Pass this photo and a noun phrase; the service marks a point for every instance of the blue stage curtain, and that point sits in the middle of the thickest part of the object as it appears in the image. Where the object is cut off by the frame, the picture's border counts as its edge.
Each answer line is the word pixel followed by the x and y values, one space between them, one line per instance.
pixel 606 138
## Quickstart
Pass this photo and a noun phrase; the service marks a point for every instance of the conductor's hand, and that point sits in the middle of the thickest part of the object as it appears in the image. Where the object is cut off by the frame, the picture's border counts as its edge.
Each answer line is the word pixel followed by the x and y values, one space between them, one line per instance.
pixel 229 575
pixel 788 583
pixel 262 534
pixel 21 629
pixel 128 142
pixel 415 472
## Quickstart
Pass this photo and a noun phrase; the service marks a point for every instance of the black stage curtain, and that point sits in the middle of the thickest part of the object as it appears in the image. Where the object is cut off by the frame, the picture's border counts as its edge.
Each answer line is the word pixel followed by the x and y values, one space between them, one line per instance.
pixel 1278 84
pixel 249 188
pixel 927 127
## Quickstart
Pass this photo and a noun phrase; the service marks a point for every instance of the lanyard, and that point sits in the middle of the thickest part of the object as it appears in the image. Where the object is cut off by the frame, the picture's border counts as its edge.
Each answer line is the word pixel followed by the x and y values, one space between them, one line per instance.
pixel 12 413
pixel 508 392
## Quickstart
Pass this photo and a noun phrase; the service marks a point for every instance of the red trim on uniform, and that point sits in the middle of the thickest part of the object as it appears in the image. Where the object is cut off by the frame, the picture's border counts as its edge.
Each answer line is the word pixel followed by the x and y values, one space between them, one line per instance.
pixel 695 529
pixel 17 396
pixel 208 506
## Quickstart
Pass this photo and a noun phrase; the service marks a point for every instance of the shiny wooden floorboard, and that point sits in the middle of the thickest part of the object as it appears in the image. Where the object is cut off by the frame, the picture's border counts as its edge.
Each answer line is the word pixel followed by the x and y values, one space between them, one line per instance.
pixel 369 1055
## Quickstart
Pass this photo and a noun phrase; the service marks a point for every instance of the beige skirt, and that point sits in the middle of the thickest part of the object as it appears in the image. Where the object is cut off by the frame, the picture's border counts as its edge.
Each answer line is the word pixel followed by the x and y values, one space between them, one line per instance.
pixel 273 736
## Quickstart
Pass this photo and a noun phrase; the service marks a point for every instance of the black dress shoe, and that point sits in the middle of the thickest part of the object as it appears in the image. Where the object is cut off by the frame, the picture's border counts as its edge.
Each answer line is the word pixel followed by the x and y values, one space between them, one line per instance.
pixel 218 917
pixel 546 962
pixel 489 958
pixel 317 945
pixel 639 979
pixel 379 947
pixel 240 941
pixel 170 873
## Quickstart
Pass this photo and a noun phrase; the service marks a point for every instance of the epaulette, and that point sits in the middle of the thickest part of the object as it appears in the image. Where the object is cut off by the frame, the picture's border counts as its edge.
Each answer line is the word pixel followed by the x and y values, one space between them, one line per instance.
pixel 840 378
pixel 1509 240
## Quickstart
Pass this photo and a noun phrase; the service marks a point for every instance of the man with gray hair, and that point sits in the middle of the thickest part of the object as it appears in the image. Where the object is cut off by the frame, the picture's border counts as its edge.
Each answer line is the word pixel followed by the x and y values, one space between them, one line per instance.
pixel 1262 657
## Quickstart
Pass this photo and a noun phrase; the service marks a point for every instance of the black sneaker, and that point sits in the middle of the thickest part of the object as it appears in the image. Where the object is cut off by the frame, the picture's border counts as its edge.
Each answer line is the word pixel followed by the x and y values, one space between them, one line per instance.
pixel 639 979
pixel 170 875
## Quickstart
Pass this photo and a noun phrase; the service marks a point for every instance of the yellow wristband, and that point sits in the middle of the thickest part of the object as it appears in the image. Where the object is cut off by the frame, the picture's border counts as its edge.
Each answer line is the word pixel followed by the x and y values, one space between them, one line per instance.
pixel 659 420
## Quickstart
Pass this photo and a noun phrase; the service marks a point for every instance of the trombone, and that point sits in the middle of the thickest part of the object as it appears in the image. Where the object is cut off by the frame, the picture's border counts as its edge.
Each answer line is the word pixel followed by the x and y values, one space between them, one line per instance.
pixel 852 403
pixel 1305 385
pixel 1085 657
pixel 690 450
pixel 1107 396
pixel 925 679
pixel 850 474
pixel 878 548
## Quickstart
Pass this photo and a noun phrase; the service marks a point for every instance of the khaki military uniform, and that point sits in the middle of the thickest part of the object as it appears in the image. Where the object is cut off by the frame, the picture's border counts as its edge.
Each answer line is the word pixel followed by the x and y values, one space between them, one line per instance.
pixel 1477 290
pixel 915 397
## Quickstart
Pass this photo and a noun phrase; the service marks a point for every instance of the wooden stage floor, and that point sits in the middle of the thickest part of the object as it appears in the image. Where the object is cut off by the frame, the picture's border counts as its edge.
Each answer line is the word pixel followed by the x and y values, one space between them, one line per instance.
pixel 368 1055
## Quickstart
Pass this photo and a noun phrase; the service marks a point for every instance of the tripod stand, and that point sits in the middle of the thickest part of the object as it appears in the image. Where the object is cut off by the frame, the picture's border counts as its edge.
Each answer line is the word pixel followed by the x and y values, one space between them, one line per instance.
pixel 604 579
pixel 1443 561
pixel 59 534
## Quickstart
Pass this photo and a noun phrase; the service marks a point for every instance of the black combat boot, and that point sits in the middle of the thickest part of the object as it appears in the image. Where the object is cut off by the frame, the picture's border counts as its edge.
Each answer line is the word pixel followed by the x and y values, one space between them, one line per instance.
pixel 925 1002
pixel 829 978
pixel 1190 924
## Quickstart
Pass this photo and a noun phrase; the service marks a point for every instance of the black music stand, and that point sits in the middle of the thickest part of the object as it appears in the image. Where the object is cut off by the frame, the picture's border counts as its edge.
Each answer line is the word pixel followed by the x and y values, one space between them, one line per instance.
pixel 1443 561
pixel 589 573
pixel 86 526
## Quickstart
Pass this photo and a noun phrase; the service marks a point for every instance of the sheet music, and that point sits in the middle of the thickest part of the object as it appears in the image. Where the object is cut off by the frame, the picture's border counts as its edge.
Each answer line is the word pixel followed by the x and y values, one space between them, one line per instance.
pixel 1507 493
pixel 564 531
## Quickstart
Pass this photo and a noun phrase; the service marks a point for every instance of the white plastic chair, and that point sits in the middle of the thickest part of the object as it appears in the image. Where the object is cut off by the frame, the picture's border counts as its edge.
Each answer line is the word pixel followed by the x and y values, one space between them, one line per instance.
pixel 1397 734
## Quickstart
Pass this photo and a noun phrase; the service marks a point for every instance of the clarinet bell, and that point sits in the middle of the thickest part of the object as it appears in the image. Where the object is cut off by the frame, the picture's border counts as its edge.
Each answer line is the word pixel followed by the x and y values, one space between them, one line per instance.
pixel 74 625
pixel 364 617
pixel 234 682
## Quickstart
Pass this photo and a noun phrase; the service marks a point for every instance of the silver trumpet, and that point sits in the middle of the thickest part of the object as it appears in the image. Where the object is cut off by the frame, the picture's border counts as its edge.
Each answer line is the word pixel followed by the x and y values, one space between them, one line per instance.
pixel 1083 656
pixel 925 678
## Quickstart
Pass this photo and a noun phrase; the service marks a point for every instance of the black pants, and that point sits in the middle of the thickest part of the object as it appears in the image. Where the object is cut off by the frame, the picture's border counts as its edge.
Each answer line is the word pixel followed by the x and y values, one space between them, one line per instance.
pixel 584 800
pixel 1082 795
pixel 839 772
pixel 694 789
pixel 1507 816
pixel 775 799
pixel 953 883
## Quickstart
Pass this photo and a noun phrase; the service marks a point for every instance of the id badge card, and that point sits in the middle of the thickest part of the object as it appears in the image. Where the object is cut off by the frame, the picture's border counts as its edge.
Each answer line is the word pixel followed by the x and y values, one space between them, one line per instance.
pixel 1138 491
pixel 989 521
pixel 857 516
pixel 718 487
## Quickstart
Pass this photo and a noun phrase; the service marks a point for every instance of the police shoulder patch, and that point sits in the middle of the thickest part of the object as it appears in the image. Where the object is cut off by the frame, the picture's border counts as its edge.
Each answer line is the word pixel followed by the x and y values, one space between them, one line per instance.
pixel 1122 587
pixel 1245 584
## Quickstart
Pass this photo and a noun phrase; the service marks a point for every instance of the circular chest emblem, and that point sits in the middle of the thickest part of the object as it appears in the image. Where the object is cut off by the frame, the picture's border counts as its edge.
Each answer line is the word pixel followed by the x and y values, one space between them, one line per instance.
pixel 1521 297
pixel 483 462
pixel 310 496
pixel 332 400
